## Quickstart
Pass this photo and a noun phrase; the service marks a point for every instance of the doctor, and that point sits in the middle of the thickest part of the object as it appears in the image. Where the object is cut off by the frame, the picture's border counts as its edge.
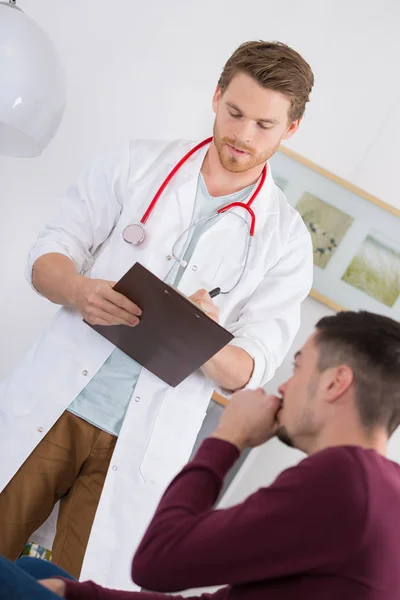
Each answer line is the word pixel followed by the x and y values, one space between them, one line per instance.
pixel 82 423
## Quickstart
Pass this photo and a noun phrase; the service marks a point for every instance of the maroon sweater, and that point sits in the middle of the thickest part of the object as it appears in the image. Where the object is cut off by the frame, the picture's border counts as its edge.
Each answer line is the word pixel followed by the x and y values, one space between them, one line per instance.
pixel 327 528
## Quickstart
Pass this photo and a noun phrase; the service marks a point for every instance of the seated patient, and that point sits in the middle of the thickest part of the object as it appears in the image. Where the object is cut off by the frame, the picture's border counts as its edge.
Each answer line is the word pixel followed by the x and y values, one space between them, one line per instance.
pixel 325 529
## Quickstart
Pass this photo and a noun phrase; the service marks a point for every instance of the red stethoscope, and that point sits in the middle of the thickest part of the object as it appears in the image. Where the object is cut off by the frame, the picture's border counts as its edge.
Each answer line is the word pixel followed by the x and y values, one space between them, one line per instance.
pixel 135 233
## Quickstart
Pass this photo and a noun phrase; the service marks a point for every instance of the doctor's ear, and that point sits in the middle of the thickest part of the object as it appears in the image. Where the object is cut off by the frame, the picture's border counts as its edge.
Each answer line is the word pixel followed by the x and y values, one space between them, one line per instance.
pixel 293 127
pixel 216 99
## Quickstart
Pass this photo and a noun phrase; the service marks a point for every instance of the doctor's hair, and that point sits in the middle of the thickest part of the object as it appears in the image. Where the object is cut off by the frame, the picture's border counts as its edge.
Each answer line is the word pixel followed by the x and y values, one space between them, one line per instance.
pixel 370 345
pixel 275 66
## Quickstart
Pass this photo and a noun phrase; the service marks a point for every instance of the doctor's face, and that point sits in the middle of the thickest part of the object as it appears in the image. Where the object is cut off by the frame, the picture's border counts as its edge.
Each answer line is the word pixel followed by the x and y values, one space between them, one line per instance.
pixel 250 123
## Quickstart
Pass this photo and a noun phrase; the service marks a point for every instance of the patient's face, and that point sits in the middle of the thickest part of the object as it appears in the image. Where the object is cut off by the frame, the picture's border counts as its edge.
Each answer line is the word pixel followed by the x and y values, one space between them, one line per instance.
pixel 300 417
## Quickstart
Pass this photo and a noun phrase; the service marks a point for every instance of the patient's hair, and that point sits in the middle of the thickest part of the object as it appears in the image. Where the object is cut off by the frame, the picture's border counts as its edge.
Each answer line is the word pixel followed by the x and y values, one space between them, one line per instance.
pixel 275 66
pixel 370 345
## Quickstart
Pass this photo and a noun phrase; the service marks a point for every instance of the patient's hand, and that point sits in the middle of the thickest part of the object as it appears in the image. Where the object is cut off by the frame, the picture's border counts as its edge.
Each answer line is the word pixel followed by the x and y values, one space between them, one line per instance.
pixel 54 585
pixel 249 420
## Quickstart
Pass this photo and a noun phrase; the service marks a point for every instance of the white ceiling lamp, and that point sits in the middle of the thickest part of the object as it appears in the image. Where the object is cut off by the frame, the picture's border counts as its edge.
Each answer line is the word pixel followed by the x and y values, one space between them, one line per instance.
pixel 32 86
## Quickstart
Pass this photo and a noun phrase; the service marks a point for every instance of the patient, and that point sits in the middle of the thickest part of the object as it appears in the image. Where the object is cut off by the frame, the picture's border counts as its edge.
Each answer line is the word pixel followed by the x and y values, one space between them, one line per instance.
pixel 327 528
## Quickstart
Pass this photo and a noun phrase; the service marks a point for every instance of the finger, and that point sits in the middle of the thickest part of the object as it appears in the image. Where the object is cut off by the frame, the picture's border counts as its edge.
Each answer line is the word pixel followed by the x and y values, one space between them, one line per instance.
pixel 100 317
pixel 202 305
pixel 201 294
pixel 120 300
pixel 274 401
pixel 273 409
pixel 99 322
pixel 123 302
pixel 115 320
pixel 100 305
pixel 209 309
pixel 206 307
pixel 117 312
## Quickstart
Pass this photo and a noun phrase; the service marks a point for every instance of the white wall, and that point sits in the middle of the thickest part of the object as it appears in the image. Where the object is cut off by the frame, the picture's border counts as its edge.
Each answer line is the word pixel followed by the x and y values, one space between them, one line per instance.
pixel 148 69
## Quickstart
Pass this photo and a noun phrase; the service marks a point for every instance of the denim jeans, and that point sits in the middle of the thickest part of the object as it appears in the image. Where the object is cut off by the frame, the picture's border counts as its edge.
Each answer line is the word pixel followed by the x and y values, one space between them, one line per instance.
pixel 18 580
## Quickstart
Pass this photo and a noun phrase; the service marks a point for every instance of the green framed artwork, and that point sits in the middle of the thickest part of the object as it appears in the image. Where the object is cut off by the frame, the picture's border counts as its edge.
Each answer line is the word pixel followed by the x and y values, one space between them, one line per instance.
pixel 356 237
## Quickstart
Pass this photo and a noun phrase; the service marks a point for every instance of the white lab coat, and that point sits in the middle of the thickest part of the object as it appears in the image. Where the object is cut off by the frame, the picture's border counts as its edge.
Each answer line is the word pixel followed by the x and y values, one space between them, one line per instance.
pixel 161 423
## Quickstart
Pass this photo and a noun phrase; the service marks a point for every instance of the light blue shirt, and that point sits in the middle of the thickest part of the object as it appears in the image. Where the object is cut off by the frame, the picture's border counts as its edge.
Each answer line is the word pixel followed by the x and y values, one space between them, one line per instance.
pixel 105 400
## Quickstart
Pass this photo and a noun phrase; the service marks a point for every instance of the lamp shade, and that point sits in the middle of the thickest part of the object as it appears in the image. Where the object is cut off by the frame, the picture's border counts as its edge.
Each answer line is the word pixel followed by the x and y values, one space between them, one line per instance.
pixel 32 85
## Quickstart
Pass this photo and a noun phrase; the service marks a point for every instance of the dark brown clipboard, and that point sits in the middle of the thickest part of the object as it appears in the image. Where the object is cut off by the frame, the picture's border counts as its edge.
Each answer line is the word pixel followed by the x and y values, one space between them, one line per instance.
pixel 174 337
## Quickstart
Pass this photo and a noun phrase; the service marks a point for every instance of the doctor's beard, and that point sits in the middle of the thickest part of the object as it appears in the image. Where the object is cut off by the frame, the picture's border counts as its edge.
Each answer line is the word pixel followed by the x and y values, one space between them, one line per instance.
pixel 240 164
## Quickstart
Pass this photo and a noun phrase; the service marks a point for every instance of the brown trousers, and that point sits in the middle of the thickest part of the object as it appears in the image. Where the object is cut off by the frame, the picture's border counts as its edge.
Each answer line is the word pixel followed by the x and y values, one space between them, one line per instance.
pixel 70 464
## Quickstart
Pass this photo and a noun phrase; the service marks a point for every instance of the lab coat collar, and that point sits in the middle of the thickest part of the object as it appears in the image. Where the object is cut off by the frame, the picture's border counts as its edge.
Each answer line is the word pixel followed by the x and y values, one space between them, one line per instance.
pixel 265 204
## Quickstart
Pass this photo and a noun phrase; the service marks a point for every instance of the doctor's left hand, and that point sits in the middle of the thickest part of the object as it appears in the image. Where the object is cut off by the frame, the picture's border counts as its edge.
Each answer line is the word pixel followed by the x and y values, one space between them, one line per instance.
pixel 204 301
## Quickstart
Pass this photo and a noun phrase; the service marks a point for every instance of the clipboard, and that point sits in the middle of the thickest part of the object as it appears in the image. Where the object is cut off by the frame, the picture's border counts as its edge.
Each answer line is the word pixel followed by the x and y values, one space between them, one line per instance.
pixel 174 337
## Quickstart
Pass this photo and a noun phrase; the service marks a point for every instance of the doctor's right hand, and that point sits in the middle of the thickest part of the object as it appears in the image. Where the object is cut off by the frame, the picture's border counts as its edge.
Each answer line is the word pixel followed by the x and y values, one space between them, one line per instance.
pixel 100 304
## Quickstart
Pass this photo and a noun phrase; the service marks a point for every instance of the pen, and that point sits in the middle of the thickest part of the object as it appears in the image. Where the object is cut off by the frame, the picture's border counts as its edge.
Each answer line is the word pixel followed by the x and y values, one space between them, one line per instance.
pixel 215 292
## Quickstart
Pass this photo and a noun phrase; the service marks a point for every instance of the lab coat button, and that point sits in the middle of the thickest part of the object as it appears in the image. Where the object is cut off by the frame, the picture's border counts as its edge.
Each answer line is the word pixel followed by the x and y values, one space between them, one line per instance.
pixel 114 468
pixel 194 268
pixel 168 257
pixel 85 373
pixel 40 429
pixel 137 399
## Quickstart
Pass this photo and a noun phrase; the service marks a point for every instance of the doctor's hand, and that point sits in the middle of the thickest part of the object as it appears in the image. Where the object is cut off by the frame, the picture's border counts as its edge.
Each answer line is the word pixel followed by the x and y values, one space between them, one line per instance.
pixel 204 301
pixel 99 304
pixel 249 419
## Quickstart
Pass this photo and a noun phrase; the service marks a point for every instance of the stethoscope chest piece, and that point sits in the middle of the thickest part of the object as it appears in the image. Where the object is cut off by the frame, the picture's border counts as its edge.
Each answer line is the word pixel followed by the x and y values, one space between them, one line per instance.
pixel 134 234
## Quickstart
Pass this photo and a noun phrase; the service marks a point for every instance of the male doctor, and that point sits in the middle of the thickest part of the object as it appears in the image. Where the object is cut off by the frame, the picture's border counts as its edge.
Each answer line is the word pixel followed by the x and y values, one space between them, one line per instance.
pixel 81 422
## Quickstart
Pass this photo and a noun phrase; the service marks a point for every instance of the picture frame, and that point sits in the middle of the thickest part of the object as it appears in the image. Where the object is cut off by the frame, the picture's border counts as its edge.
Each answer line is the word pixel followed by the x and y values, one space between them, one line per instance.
pixel 356 236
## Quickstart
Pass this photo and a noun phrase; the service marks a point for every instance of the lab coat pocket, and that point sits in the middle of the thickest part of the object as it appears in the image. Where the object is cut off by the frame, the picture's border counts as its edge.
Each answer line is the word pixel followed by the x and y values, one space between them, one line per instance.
pixel 172 439
pixel 37 377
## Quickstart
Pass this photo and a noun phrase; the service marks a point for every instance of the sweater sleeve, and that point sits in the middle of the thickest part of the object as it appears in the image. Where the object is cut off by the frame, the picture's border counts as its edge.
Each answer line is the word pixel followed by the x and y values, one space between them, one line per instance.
pixel 88 590
pixel 310 517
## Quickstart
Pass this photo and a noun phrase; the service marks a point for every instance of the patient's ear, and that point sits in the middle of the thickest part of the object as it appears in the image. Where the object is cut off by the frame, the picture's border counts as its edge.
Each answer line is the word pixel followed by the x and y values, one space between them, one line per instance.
pixel 337 381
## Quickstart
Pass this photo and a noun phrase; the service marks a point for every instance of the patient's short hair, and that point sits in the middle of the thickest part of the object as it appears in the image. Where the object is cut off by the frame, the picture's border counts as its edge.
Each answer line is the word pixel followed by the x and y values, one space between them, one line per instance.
pixel 370 345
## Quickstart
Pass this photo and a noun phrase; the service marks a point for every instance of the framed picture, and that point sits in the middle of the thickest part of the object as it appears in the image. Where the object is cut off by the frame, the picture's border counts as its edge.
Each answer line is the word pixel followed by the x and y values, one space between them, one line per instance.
pixel 356 237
